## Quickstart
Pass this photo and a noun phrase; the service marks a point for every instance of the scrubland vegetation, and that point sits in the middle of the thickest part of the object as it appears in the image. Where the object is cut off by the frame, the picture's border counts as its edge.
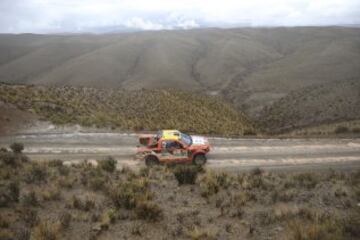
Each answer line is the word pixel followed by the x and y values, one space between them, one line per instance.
pixel 334 129
pixel 129 110
pixel 53 200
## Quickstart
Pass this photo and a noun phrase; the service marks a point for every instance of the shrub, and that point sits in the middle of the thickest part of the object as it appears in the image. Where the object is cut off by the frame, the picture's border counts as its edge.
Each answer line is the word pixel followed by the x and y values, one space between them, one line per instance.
pixel 36 173
pixel 249 132
pixel 209 185
pixel 307 180
pixel 55 163
pixel 148 211
pixel 325 230
pixel 17 147
pixel 356 130
pixel 341 129
pixel 201 234
pixel 46 231
pixel 14 191
pixel 186 174
pixel 65 220
pixel 351 225
pixel 2 150
pixel 256 171
pixel 65 182
pixel 4 222
pixel 63 170
pixel 84 205
pixel 51 194
pixel 30 199
pixel 22 234
pixel 108 164
pixel 282 195
pixel 242 198
pixel 9 193
pixel 108 217
pixel 6 234
pixel 30 217
pixel 97 183
pixel 8 158
pixel 128 194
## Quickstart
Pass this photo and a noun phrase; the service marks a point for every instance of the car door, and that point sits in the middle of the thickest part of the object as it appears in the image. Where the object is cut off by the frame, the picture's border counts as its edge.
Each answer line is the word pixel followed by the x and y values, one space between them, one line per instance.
pixel 172 151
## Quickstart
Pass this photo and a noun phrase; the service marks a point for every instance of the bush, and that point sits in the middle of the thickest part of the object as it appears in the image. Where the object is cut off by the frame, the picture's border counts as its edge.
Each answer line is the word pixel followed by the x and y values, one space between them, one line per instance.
pixel 84 205
pixel 65 220
pixel 46 231
pixel 37 173
pixel 185 174
pixel 9 193
pixel 256 171
pixel 149 211
pixel 17 147
pixel 341 129
pixel 97 183
pixel 356 130
pixel 325 230
pixel 108 164
pixel 8 158
pixel 108 217
pixel 30 217
pixel 55 163
pixel 3 150
pixel 209 185
pixel 14 191
pixel 249 132
pixel 30 199
pixel 201 234
pixel 52 194
pixel 129 194
pixel 22 234
pixel 307 180
pixel 63 170
pixel 6 234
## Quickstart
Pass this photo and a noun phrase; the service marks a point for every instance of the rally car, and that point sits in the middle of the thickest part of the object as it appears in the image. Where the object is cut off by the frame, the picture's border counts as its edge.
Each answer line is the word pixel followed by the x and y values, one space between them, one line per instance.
pixel 171 146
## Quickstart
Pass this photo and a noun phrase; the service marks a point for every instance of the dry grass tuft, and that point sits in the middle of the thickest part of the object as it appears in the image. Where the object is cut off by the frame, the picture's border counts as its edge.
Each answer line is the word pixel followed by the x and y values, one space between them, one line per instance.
pixel 46 230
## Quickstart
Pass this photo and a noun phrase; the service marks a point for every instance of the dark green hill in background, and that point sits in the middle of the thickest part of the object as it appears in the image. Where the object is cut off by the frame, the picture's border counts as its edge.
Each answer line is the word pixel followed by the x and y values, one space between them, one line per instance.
pixel 129 110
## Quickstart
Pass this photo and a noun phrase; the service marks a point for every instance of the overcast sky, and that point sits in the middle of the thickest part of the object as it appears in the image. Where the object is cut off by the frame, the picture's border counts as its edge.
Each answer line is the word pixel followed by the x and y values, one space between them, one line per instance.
pixel 49 16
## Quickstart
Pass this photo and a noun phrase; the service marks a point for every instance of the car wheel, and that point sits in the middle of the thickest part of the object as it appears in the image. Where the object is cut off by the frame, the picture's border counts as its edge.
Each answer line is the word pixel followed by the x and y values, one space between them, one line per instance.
pixel 151 161
pixel 199 159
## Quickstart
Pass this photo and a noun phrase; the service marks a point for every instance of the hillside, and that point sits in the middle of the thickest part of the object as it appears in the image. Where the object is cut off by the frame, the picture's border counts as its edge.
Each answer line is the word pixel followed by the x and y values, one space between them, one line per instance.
pixel 251 68
pixel 324 103
pixel 13 119
pixel 128 110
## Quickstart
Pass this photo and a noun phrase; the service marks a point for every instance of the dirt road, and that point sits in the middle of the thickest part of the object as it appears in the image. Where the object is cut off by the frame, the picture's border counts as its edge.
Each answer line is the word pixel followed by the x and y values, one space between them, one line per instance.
pixel 75 145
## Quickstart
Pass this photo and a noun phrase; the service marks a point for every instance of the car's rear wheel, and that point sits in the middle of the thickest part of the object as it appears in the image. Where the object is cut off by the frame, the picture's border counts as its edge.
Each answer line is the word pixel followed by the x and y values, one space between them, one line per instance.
pixel 199 159
pixel 151 161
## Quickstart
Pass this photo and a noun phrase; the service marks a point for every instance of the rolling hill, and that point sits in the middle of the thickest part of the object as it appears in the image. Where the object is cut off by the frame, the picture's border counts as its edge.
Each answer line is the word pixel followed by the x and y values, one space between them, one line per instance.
pixel 137 110
pixel 252 68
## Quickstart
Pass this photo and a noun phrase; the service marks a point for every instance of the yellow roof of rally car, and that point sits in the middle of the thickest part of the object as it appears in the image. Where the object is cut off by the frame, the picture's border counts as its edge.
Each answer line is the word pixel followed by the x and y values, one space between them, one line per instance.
pixel 170 134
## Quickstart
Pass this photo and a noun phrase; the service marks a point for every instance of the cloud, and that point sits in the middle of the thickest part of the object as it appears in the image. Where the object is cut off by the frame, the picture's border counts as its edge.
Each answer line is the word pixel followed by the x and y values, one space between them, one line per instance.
pixel 81 15
pixel 139 23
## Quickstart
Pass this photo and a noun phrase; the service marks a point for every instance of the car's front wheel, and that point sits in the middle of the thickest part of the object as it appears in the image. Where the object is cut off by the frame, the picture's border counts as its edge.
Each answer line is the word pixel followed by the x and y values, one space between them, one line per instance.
pixel 199 159
pixel 151 161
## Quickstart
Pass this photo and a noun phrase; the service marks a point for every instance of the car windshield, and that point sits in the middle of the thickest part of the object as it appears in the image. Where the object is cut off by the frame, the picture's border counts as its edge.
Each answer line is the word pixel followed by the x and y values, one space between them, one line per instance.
pixel 186 139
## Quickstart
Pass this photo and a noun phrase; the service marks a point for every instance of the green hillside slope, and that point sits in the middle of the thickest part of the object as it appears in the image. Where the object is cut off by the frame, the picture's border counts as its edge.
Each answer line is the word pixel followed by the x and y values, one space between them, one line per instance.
pixel 129 110
pixel 321 104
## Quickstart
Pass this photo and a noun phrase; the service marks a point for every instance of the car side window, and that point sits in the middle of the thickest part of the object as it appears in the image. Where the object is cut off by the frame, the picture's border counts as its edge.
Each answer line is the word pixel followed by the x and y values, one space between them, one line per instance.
pixel 171 145
pixel 176 145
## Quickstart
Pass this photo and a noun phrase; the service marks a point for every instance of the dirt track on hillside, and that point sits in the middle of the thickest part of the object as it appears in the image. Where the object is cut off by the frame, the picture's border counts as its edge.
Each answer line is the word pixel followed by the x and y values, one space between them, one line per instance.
pixel 233 154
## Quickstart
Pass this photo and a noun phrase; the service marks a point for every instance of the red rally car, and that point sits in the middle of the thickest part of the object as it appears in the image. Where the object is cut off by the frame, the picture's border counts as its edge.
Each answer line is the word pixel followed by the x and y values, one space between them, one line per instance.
pixel 171 146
